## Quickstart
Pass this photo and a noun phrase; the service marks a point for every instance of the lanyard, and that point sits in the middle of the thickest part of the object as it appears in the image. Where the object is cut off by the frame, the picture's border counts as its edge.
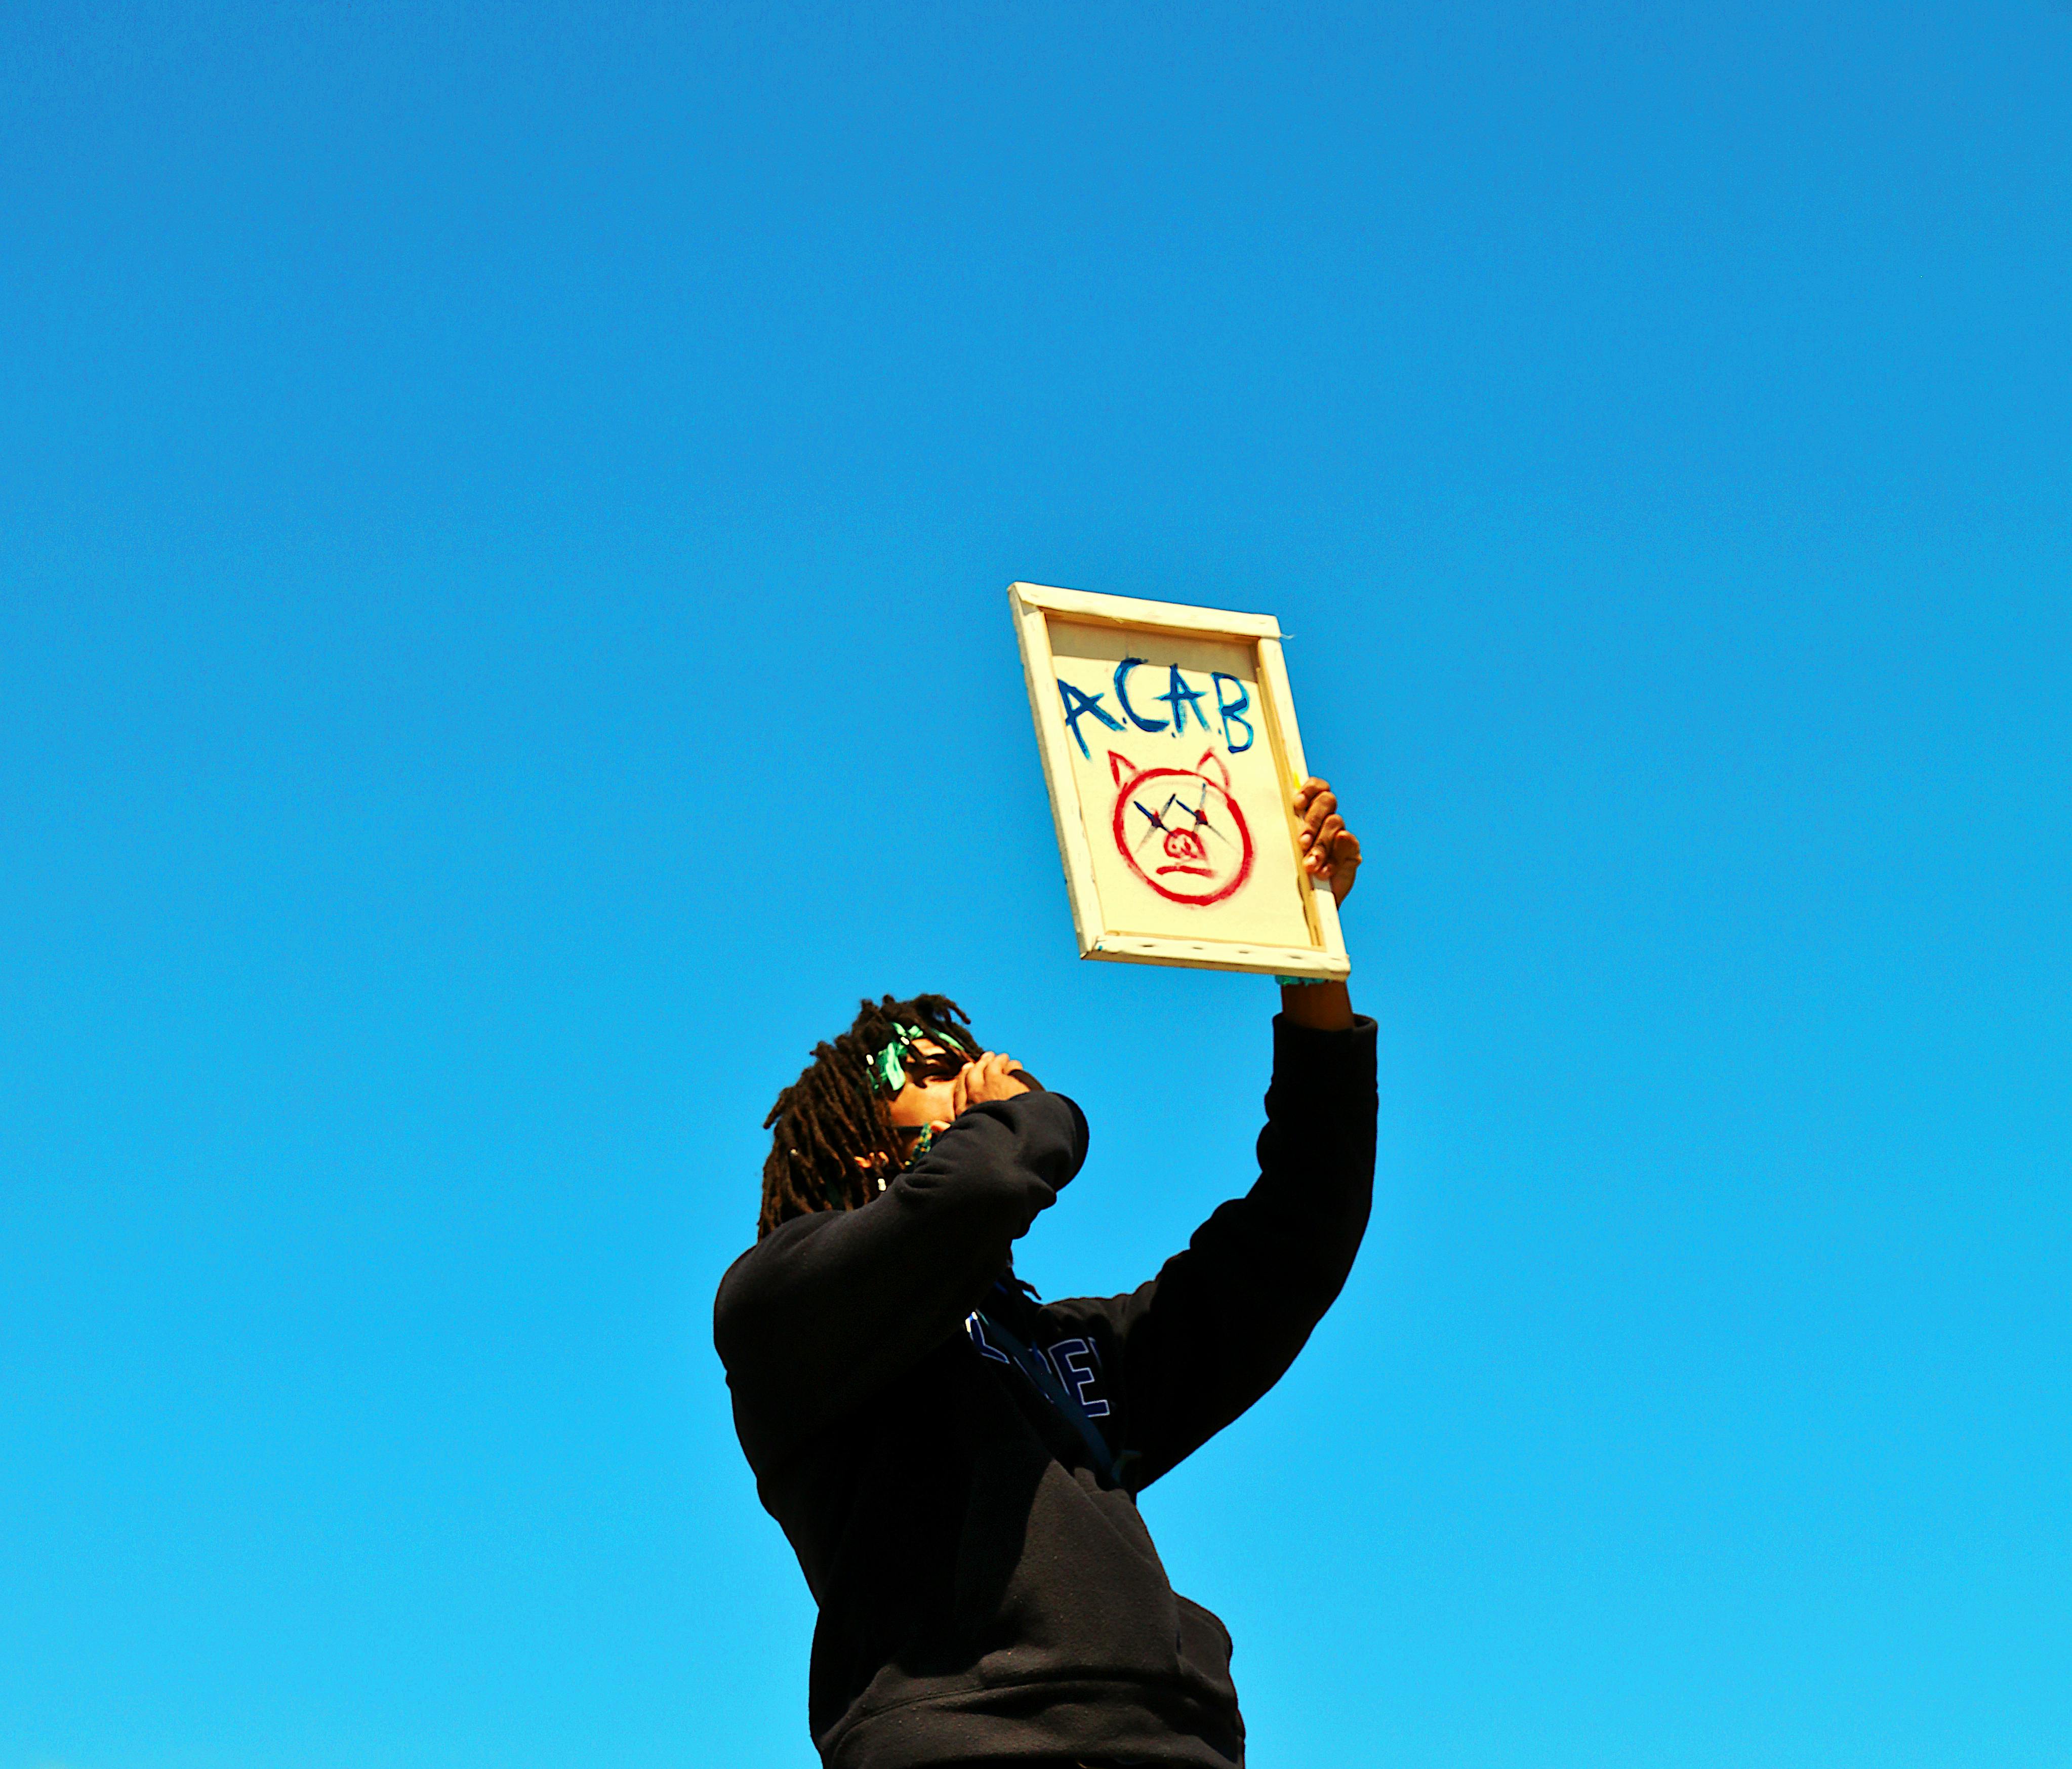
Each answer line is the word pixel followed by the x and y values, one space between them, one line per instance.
pixel 1036 1368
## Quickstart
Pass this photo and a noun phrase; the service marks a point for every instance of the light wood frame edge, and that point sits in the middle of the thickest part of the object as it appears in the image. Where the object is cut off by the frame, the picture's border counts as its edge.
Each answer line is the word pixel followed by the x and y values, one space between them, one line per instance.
pixel 1039 669
pixel 1087 605
pixel 1323 905
pixel 1221 955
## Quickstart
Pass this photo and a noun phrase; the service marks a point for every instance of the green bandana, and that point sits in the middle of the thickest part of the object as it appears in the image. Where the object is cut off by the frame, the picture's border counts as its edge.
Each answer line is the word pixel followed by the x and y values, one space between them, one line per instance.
pixel 888 1068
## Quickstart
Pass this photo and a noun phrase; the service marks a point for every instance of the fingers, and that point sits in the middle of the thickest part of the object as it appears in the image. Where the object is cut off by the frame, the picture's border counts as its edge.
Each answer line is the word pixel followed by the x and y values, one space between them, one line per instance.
pixel 1317 841
pixel 1330 852
pixel 1316 805
pixel 1345 864
pixel 990 1077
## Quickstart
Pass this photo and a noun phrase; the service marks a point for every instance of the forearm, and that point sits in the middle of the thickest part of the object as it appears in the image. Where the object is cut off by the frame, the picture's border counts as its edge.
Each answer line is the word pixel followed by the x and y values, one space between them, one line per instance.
pixel 1321 1007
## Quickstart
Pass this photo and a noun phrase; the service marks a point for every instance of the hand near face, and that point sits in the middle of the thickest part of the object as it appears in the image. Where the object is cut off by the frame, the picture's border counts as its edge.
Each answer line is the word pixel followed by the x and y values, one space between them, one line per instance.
pixel 1330 851
pixel 990 1078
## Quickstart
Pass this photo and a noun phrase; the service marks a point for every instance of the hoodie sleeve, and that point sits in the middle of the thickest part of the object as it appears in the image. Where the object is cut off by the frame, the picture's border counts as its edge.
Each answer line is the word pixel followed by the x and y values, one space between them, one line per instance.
pixel 829 1307
pixel 1188 1352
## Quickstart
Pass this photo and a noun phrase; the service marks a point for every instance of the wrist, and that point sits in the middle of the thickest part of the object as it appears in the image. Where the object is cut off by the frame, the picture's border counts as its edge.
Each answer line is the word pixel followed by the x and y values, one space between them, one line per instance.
pixel 1325 1005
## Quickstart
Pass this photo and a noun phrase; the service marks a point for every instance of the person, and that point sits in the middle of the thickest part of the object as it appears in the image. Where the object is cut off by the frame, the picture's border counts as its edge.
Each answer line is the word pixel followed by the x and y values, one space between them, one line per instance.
pixel 956 1462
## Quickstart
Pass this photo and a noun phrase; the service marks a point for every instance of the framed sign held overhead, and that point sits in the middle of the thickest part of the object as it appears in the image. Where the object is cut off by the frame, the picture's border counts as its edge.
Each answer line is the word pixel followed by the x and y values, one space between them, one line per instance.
pixel 1169 743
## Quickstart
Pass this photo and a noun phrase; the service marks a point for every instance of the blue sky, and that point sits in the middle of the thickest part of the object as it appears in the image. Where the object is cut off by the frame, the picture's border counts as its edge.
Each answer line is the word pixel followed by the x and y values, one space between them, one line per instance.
pixel 502 642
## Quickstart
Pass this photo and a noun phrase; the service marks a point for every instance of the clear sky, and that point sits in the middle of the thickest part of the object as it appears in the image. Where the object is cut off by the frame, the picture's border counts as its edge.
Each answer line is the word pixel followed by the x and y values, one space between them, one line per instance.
pixel 503 528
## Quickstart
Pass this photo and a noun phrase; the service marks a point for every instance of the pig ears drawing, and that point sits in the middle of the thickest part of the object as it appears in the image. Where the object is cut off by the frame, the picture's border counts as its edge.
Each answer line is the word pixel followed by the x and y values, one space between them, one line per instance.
pixel 1123 769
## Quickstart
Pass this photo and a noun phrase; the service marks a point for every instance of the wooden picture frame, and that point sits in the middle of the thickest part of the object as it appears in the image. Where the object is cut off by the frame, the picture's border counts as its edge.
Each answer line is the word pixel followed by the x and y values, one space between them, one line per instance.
pixel 1175 851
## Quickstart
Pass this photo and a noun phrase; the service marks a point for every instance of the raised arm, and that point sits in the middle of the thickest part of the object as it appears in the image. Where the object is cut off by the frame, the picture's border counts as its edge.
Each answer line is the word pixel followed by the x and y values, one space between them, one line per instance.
pixel 1189 1351
pixel 1330 852
pixel 1222 1322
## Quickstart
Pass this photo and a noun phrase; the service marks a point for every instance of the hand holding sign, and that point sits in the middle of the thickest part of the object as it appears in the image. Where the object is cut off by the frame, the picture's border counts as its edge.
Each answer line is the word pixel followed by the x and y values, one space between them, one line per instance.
pixel 1330 851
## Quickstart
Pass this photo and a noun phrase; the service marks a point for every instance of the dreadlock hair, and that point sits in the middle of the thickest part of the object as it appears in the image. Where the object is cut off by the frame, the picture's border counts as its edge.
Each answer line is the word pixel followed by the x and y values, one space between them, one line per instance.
pixel 831 1116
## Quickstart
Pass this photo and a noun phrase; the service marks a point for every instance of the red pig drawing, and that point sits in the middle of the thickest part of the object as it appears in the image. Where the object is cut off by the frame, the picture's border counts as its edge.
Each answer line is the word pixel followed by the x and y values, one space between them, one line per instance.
pixel 1180 829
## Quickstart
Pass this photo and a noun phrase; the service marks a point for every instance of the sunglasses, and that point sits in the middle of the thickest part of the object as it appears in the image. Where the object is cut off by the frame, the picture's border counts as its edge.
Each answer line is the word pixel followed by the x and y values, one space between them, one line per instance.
pixel 942 1065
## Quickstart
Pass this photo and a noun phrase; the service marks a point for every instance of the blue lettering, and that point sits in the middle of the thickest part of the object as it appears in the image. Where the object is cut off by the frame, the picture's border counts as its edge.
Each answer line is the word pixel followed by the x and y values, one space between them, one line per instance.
pixel 1065 1357
pixel 1122 694
pixel 1228 711
pixel 1180 696
pixel 974 1326
pixel 1077 706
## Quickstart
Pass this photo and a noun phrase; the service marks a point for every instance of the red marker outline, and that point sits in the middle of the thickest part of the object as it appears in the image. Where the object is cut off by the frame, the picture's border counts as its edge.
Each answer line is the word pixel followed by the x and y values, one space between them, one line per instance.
pixel 1126 788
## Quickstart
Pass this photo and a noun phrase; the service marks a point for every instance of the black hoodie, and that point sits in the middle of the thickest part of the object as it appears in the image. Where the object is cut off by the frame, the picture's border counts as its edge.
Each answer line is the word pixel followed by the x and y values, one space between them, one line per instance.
pixel 987 1589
